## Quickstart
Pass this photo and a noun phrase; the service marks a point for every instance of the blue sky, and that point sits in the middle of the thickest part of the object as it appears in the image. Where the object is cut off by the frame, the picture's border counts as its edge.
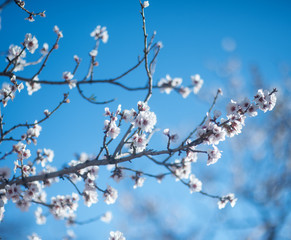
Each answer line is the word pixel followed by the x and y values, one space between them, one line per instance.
pixel 191 32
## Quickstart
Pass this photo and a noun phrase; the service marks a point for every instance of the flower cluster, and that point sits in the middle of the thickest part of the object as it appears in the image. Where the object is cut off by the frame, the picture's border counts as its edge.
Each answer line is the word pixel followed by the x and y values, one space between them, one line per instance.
pixel 30 43
pixel 212 131
pixel 195 184
pixel 8 90
pixel 100 33
pixel 197 83
pixel 110 126
pixel 68 76
pixel 145 120
pixel 43 157
pixel 116 236
pixel 32 133
pixel 168 84
pixel 33 86
pixel 110 195
pixel 225 199
pixel 16 55
pixel 138 180
pixel 64 206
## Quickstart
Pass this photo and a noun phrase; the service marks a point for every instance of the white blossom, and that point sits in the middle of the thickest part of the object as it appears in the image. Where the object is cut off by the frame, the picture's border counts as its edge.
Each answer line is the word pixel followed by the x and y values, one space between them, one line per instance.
pixel 33 86
pixel 225 199
pixel 145 4
pixel 100 33
pixel 44 50
pixel 213 155
pixel 111 129
pixel 184 91
pixel 197 82
pixel 139 142
pixel 167 84
pixel 195 184
pixel 145 120
pixel 106 217
pixel 30 43
pixel 116 236
pixel 110 195
pixel 34 236
pixel 40 218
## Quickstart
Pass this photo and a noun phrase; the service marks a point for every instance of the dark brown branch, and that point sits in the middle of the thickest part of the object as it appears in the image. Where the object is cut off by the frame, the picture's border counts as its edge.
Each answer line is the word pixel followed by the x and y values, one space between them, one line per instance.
pixel 96 162
pixel 21 5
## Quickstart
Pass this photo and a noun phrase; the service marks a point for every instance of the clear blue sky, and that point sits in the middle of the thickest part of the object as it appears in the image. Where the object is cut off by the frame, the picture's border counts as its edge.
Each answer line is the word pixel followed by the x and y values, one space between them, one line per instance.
pixel 191 32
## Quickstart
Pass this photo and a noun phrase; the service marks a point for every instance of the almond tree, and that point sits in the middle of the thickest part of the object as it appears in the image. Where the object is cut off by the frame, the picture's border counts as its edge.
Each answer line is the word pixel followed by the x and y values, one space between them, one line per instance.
pixel 127 133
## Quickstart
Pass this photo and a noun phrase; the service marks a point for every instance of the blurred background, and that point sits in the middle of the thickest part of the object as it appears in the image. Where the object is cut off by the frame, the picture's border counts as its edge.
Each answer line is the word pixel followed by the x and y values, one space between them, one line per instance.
pixel 238 46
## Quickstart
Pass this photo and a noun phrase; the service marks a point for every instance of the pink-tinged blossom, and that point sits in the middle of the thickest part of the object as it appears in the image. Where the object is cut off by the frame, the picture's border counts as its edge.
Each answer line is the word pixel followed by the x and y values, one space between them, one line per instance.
pixel 76 58
pixel 30 18
pixel 197 82
pixel 33 236
pixel 46 112
pixel 106 217
pixel 138 180
pixel 23 205
pixel 232 108
pixel 116 236
pixel 8 91
pixel 34 131
pixel 100 33
pixel 139 142
pixel 14 51
pixel 265 101
pixel 46 156
pixel 68 76
pixel 33 190
pixel 30 43
pixel 26 170
pixel 181 169
pixel 111 129
pixel 57 31
pixel 129 115
pixel 110 195
pixel 195 184
pixel 225 199
pixel 107 112
pixel 252 110
pixel 90 195
pixel 64 206
pixel 142 106
pixel 19 147
pixel 145 120
pixel 44 50
pixel 49 154
pixel 184 91
pixel 167 84
pixel 40 218
pixel 213 155
pixel 245 104
pixel 33 86
pixel 117 174
pixel 13 192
